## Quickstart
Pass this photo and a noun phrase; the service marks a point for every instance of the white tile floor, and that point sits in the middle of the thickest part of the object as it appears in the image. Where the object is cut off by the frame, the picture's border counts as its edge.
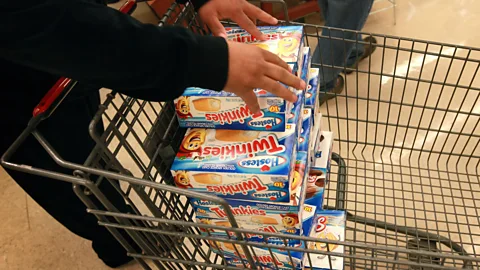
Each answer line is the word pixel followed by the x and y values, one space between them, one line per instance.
pixel 30 239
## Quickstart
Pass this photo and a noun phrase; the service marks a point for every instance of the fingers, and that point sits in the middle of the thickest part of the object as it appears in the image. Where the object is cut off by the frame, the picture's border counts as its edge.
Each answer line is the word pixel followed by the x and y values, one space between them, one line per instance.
pixel 254 12
pixel 244 21
pixel 216 27
pixel 274 59
pixel 251 100
pixel 282 75
pixel 277 89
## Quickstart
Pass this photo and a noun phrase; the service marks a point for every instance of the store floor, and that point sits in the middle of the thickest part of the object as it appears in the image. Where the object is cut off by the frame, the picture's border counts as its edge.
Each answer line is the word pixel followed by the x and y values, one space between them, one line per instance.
pixel 30 239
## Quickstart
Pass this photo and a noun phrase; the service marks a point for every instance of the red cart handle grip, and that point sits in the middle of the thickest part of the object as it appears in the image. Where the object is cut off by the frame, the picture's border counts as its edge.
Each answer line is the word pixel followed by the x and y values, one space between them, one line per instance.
pixel 128 6
pixel 51 96
pixel 62 83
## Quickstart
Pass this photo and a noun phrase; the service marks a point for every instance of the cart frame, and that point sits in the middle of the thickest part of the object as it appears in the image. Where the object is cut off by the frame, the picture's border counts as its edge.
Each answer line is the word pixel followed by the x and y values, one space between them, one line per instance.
pixel 163 225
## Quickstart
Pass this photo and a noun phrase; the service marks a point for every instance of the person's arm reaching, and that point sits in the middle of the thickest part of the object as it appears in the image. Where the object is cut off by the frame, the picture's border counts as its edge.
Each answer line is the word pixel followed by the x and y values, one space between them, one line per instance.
pixel 98 45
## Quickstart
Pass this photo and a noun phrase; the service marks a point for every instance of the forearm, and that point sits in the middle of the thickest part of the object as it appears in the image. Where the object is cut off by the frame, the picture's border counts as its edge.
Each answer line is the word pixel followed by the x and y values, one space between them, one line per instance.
pixel 101 46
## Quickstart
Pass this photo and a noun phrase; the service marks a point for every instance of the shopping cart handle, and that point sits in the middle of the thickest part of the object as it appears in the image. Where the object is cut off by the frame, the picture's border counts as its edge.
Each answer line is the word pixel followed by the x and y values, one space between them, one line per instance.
pixel 52 95
pixel 128 7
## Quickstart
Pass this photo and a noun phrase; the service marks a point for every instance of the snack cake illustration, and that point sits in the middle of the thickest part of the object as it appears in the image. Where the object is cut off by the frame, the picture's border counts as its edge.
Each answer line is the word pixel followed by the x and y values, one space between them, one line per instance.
pixel 329 225
pixel 203 108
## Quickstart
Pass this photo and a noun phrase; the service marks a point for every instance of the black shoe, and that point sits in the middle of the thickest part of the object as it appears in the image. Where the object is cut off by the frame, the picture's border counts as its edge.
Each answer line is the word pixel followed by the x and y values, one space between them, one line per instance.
pixel 369 49
pixel 324 95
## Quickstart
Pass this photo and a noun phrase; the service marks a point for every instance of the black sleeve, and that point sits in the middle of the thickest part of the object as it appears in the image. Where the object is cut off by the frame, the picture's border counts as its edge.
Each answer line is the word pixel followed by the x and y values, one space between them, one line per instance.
pixel 101 46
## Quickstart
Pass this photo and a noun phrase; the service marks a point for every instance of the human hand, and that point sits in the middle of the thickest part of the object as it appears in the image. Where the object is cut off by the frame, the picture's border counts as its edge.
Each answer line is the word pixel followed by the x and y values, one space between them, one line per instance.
pixel 240 11
pixel 251 67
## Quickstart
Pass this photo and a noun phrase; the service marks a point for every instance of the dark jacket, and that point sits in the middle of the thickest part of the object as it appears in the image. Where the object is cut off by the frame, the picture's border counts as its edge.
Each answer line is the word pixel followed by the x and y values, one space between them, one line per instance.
pixel 98 45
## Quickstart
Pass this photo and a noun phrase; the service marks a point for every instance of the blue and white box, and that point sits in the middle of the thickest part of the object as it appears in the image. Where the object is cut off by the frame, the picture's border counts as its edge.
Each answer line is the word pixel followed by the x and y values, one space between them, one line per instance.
pixel 202 108
pixel 323 155
pixel 284 41
pixel 306 64
pixel 329 225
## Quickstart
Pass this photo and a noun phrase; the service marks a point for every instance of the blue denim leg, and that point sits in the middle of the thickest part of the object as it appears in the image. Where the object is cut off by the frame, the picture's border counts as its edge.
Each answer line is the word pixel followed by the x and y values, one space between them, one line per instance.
pixel 346 14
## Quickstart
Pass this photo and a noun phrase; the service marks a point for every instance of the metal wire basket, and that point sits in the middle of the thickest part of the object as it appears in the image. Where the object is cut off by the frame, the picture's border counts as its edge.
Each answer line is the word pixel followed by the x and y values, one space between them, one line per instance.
pixel 406 166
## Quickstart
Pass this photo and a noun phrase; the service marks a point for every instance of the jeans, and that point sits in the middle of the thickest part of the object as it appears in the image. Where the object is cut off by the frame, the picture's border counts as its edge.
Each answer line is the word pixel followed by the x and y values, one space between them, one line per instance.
pixel 345 14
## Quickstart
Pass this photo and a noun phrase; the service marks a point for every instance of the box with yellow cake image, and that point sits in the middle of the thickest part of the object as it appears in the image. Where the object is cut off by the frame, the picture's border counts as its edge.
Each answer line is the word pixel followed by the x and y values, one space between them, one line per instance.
pixel 249 165
pixel 273 217
pixel 330 225
pixel 266 258
pixel 203 108
pixel 284 41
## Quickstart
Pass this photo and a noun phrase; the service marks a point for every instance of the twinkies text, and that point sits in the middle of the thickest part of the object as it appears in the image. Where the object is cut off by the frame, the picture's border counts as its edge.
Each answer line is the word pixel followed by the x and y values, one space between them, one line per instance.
pixel 239 211
pixel 267 144
pixel 249 39
pixel 243 187
pixel 230 116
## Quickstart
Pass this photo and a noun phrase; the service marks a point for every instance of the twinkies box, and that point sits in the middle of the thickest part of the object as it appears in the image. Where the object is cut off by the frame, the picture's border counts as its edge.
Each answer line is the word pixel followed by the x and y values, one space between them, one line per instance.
pixel 294 110
pixel 315 189
pixel 268 258
pixel 305 132
pixel 312 88
pixel 311 94
pixel 202 108
pixel 273 217
pixel 306 63
pixel 237 164
pixel 330 225
pixel 294 115
pixel 323 155
pixel 309 215
pixel 316 128
pixel 284 41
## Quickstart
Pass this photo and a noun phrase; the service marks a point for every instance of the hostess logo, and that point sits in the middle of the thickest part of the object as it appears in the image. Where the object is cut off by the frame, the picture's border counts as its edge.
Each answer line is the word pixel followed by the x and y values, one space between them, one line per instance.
pixel 321 224
pixel 268 144
pixel 271 195
pixel 203 203
pixel 262 162
pixel 312 178
pixel 266 122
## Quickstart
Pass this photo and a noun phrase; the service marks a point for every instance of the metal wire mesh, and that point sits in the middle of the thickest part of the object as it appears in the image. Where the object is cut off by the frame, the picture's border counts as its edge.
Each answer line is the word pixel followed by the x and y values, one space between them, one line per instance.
pixel 405 125
pixel 406 168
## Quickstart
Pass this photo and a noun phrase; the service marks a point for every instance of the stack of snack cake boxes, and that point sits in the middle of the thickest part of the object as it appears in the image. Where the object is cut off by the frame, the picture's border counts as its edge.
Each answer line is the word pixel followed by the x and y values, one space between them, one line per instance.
pixel 258 163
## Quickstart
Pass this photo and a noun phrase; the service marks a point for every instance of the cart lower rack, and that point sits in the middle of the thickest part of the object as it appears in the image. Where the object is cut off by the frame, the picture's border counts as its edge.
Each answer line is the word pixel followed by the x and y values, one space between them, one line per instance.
pixel 406 164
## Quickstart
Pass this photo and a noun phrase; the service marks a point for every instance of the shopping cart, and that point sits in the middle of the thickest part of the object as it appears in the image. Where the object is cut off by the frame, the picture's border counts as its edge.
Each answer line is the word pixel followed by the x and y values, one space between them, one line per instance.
pixel 406 165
